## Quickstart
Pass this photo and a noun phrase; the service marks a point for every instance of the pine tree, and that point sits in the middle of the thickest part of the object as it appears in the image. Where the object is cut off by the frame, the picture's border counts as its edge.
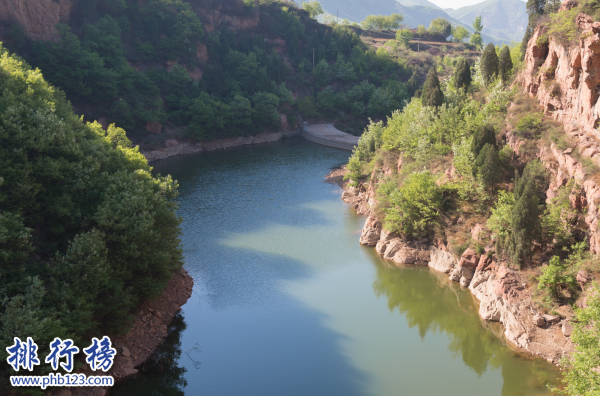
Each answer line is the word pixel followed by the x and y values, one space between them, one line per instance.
pixel 489 63
pixel 462 75
pixel 487 166
pixel 432 92
pixel 486 134
pixel 525 219
pixel 505 64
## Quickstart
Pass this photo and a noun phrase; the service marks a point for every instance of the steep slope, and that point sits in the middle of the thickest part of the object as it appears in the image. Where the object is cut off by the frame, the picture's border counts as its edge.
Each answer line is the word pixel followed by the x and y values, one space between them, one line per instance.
pixel 505 19
pixel 426 3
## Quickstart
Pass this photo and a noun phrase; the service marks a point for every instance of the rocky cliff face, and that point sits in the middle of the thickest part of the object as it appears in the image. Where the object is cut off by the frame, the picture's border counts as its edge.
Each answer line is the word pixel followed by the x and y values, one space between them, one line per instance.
pixel 565 78
pixel 501 292
pixel 38 17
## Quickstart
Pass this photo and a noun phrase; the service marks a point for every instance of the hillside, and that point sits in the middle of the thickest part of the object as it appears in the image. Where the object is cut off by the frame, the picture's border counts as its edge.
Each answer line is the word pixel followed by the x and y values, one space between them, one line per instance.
pixel 414 15
pixel 503 197
pixel 506 19
pixel 418 3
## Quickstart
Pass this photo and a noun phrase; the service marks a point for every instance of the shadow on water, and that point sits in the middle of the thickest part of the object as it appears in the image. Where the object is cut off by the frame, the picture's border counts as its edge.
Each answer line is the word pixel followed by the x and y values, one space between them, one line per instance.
pixel 249 336
pixel 279 278
pixel 433 304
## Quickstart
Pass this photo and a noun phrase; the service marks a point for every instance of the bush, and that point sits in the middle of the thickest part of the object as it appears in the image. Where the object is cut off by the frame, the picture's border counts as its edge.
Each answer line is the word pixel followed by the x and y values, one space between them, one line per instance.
pixel 415 206
pixel 582 377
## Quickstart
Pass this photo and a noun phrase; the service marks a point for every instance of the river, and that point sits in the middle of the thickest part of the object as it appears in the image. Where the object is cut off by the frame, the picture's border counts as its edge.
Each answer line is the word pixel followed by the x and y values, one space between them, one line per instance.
pixel 287 303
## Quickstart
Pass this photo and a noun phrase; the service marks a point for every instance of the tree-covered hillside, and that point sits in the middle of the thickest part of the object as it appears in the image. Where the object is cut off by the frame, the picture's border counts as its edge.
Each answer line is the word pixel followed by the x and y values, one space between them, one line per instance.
pixel 86 232
pixel 163 65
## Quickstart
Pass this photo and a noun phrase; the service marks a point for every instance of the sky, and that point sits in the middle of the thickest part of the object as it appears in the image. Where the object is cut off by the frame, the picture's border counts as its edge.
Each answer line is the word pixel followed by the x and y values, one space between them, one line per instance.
pixel 455 3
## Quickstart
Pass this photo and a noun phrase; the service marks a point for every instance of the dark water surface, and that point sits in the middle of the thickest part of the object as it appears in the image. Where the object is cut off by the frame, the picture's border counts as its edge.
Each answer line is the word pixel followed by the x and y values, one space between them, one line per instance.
pixel 287 303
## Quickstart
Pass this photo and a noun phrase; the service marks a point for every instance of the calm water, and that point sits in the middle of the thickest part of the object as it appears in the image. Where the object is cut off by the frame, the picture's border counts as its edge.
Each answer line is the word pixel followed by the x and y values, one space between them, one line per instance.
pixel 287 303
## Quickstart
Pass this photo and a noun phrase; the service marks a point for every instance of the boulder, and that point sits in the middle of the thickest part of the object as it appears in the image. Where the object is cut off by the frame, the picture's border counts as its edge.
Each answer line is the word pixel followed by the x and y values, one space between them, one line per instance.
pixel 552 319
pixel 154 127
pixel 477 232
pixel 371 232
pixel 441 260
pixel 469 259
pixel 567 329
pixel 171 143
pixel 539 320
pixel 583 278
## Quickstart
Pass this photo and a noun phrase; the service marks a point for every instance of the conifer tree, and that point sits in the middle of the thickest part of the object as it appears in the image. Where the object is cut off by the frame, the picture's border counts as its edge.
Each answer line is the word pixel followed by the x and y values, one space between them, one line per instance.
pixel 489 63
pixel 462 75
pixel 432 92
pixel 505 64
pixel 487 166
pixel 486 134
pixel 525 219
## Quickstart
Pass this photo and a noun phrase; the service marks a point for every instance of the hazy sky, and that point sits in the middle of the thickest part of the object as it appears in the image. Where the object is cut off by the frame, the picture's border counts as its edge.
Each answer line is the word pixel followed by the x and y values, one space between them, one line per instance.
pixel 455 3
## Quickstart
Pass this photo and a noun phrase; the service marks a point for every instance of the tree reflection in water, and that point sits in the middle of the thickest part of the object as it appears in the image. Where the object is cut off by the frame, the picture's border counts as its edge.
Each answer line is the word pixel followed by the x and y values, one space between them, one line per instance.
pixel 160 375
pixel 432 303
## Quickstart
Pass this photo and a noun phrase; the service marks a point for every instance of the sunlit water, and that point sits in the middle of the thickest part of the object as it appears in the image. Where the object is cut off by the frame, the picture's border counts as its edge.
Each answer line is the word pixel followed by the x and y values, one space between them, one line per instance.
pixel 286 302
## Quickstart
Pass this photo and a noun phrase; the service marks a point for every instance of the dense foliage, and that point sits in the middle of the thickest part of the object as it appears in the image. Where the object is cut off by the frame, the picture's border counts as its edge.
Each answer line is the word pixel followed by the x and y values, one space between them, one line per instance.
pixel 140 64
pixel 489 64
pixel 86 232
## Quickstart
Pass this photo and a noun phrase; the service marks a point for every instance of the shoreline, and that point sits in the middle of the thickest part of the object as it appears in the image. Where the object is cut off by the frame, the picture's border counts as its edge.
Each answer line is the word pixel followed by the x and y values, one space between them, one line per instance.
pixel 499 292
pixel 148 330
pixel 174 148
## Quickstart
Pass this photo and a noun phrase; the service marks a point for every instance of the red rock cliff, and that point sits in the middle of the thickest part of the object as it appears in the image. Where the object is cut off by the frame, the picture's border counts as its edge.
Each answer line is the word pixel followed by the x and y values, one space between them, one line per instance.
pixel 565 78
pixel 38 17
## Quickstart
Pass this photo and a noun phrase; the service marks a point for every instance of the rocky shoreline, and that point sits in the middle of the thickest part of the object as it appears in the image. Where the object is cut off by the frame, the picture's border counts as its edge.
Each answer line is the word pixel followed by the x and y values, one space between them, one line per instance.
pixel 148 330
pixel 501 293
pixel 173 147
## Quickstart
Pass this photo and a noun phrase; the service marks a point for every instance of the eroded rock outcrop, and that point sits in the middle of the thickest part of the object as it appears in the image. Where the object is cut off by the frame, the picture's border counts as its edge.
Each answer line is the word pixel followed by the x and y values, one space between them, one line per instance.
pixel 38 17
pixel 565 79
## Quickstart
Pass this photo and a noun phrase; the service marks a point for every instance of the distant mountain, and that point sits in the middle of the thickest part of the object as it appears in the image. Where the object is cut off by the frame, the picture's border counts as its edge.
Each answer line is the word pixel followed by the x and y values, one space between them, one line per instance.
pixel 410 3
pixel 357 10
pixel 505 19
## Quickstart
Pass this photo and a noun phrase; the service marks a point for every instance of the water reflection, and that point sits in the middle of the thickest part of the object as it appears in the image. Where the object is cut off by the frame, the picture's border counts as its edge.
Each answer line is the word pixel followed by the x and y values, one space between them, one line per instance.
pixel 433 304
pixel 286 302
pixel 161 375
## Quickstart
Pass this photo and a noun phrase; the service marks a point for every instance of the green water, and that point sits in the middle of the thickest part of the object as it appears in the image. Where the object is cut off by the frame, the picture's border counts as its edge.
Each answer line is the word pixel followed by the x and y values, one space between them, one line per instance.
pixel 286 302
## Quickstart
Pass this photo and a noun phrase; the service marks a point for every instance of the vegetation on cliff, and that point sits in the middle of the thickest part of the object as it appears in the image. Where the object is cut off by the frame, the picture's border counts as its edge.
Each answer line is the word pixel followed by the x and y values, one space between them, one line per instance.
pixel 86 232
pixel 480 154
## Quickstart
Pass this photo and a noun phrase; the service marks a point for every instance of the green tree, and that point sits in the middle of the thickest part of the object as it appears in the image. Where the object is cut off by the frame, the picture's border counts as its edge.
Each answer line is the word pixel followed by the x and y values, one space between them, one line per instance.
pixel 415 206
pixel 441 26
pixel 314 8
pixel 487 166
pixel 525 220
pixel 321 73
pixel 460 33
pixel 505 64
pixel 404 36
pixel 477 25
pixel 462 75
pixel 432 92
pixel 382 22
pixel 489 64
pixel 476 38
pixel 485 134
pixel 582 377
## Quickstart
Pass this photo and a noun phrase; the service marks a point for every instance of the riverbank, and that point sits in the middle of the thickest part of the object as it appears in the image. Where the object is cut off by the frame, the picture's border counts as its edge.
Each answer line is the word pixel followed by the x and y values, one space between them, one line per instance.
pixel 148 330
pixel 173 147
pixel 501 293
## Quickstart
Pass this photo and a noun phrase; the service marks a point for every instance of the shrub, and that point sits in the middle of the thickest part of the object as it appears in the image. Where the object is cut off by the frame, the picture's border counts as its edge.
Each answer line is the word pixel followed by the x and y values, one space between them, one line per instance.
pixel 415 206
pixel 499 221
pixel 582 377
